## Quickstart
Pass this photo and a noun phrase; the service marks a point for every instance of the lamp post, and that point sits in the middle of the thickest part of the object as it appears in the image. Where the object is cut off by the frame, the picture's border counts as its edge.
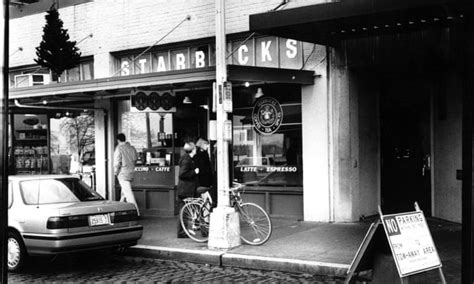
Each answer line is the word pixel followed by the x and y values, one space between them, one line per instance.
pixel 4 139
pixel 224 231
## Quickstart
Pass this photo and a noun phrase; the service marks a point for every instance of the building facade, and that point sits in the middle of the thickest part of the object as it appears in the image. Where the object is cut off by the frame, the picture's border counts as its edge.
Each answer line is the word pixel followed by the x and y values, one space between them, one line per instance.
pixel 320 131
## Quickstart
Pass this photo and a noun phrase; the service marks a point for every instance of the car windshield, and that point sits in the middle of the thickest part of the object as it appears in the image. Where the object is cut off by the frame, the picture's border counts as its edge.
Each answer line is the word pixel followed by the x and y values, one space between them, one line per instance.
pixel 47 191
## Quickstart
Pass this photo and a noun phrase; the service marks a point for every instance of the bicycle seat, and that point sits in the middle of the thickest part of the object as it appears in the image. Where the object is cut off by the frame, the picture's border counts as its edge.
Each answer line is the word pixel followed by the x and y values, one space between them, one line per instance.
pixel 202 189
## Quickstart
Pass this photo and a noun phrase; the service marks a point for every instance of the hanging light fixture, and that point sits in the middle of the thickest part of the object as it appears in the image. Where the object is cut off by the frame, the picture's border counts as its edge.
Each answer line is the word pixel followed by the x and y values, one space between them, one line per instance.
pixel 259 93
pixel 187 100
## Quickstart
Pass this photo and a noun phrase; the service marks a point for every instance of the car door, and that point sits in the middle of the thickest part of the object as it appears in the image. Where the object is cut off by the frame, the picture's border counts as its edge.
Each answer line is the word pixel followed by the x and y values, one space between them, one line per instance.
pixel 34 215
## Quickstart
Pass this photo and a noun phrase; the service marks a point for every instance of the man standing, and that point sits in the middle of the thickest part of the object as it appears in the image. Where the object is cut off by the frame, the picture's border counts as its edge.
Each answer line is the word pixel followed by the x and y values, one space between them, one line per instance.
pixel 188 179
pixel 125 157
pixel 203 162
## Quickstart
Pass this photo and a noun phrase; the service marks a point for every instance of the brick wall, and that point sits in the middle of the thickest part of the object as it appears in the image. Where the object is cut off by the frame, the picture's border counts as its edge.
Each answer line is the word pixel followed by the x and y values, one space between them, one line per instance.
pixel 125 24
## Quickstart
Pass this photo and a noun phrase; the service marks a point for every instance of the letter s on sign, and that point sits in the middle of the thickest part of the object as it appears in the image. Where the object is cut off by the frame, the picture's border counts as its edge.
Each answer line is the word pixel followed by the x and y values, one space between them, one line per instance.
pixel 125 68
pixel 292 51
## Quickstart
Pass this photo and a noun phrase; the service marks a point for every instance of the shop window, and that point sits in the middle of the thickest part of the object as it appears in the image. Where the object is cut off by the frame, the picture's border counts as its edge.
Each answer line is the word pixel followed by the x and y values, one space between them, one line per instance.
pixel 34 76
pixel 29 151
pixel 151 133
pixel 84 71
pixel 270 159
pixel 72 143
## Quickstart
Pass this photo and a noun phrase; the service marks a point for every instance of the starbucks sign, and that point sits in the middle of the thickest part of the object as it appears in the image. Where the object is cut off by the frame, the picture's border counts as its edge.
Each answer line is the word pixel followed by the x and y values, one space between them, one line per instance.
pixel 267 115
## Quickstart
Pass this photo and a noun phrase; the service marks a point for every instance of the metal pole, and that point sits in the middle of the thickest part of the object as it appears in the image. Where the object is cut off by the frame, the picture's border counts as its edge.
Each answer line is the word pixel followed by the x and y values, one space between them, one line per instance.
pixel 467 273
pixel 224 231
pixel 4 140
pixel 221 115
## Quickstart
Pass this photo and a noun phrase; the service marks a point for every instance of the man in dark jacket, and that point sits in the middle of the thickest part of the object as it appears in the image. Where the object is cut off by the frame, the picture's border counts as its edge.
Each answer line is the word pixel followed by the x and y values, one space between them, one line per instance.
pixel 203 162
pixel 188 179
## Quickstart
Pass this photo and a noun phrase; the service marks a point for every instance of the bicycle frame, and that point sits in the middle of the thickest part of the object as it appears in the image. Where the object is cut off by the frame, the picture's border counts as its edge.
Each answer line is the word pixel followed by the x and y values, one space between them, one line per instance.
pixel 255 223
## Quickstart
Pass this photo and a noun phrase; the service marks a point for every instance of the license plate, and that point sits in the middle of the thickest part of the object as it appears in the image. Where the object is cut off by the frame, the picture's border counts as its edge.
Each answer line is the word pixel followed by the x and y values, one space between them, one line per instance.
pixel 97 220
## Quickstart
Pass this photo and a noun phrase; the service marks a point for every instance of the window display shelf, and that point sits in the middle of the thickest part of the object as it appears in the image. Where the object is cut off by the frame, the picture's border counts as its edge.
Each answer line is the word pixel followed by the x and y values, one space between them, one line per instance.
pixel 30 146
pixel 43 140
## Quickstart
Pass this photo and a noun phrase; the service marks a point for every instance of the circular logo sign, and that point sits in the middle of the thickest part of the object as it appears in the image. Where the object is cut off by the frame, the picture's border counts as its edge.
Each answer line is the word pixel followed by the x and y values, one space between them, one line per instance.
pixel 154 101
pixel 267 115
pixel 167 101
pixel 140 101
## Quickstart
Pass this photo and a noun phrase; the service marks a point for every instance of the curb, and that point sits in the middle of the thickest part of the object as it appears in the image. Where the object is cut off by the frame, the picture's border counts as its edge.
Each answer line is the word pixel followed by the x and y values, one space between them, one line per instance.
pixel 224 258
pixel 284 264
pixel 196 256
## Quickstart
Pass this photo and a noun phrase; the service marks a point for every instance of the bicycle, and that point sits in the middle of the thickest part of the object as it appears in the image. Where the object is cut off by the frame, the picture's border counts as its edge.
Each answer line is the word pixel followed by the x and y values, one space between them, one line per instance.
pixel 255 224
pixel 194 216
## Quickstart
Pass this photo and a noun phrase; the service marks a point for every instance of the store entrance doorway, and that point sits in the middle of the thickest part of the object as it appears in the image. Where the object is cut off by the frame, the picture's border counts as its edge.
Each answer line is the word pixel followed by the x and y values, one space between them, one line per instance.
pixel 192 116
pixel 405 146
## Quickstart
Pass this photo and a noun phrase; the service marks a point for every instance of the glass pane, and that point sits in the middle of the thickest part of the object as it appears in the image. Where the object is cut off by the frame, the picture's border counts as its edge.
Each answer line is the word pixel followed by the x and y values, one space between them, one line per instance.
pixel 73 74
pixel 125 67
pixel 30 147
pixel 179 59
pixel 161 62
pixel 142 64
pixel 87 69
pixel 199 56
pixel 29 191
pixel 54 191
pixel 151 133
pixel 161 129
pixel 243 53
pixel 268 160
pixel 291 54
pixel 266 54
pixel 134 128
pixel 72 140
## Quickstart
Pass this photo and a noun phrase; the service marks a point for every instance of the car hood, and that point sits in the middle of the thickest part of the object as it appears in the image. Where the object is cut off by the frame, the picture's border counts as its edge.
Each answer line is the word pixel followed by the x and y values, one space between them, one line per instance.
pixel 94 207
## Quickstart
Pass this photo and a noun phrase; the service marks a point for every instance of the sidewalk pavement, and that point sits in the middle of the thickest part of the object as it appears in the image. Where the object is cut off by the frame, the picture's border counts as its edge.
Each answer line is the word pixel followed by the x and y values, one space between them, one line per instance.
pixel 294 246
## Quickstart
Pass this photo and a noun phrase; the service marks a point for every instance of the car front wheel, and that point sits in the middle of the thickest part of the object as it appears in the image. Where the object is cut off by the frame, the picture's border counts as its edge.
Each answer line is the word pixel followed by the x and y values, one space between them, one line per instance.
pixel 16 252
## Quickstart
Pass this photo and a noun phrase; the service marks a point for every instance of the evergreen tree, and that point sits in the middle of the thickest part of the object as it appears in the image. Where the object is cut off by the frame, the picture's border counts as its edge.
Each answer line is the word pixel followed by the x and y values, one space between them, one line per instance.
pixel 56 51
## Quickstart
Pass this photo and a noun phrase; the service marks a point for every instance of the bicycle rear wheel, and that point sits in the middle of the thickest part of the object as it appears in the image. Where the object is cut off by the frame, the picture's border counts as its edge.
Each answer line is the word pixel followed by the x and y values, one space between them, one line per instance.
pixel 195 224
pixel 255 224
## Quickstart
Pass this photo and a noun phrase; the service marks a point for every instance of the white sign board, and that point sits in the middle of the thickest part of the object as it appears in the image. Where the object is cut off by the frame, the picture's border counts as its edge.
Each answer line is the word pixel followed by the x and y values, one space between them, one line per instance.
pixel 411 243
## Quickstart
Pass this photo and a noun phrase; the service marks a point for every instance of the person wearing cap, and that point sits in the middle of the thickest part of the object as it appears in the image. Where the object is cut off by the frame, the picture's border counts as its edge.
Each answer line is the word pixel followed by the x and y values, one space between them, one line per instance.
pixel 125 157
pixel 187 179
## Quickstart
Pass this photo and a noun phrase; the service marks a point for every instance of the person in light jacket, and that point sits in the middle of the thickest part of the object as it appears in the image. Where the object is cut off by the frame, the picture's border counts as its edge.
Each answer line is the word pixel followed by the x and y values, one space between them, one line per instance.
pixel 125 157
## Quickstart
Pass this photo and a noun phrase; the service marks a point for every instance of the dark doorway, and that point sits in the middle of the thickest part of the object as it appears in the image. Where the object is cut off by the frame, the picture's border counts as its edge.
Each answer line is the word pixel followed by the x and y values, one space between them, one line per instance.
pixel 192 115
pixel 406 147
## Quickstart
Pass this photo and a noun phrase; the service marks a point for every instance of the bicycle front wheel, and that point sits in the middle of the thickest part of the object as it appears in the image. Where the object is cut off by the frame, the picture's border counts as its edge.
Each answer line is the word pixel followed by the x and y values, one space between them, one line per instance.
pixel 255 224
pixel 194 223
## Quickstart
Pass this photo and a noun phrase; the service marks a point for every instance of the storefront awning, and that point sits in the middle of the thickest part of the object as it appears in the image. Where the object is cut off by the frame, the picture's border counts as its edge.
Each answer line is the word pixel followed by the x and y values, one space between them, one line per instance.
pixel 330 23
pixel 82 92
pixel 90 87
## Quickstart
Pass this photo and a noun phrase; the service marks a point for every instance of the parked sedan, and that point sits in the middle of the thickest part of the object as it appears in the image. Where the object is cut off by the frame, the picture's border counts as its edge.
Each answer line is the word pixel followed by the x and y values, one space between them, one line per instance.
pixel 56 214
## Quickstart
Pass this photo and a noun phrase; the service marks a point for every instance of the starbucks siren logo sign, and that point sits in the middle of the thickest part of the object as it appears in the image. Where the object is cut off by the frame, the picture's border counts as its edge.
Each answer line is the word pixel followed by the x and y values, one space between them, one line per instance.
pixel 267 115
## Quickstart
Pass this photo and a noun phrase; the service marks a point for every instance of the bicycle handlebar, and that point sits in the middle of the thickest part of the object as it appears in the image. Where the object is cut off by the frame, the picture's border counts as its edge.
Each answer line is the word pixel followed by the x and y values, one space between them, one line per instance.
pixel 236 187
